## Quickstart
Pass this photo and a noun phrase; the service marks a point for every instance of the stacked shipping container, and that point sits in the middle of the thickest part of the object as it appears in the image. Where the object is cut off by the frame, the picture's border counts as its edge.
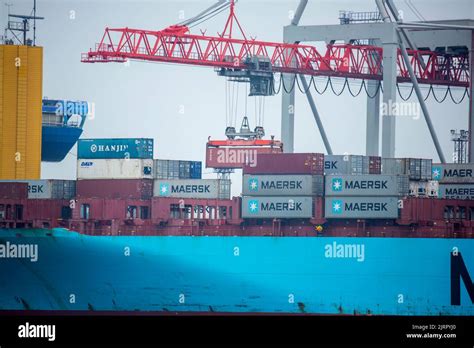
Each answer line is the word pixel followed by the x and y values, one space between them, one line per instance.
pixel 282 185
pixel 419 172
pixel 352 164
pixel 114 169
pixel 455 180
pixel 287 163
pixel 363 196
pixel 174 169
pixel 417 169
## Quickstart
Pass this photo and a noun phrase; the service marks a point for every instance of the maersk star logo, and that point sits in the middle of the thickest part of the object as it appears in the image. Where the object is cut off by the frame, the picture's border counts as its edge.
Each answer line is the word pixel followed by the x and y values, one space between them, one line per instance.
pixel 337 184
pixel 337 207
pixel 253 184
pixel 164 190
pixel 436 173
pixel 253 206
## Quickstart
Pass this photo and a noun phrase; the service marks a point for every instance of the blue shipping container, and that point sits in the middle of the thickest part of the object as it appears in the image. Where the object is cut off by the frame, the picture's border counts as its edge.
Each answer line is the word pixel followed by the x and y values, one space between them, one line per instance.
pixel 196 170
pixel 133 148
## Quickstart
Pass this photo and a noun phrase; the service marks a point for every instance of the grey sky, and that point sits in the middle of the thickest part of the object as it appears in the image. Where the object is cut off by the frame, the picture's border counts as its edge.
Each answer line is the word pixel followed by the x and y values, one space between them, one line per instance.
pixel 144 99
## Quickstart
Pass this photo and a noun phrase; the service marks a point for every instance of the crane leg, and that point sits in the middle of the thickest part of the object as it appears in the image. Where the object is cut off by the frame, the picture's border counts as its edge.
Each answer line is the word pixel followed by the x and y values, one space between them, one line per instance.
pixel 288 114
pixel 373 119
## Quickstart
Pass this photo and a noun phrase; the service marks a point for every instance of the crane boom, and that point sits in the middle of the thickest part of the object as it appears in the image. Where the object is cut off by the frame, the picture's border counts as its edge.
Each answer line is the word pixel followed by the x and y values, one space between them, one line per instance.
pixel 176 45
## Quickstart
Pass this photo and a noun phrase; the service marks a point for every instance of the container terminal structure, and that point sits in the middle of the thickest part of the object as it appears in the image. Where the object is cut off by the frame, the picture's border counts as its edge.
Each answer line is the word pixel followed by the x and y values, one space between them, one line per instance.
pixel 311 233
pixel 62 125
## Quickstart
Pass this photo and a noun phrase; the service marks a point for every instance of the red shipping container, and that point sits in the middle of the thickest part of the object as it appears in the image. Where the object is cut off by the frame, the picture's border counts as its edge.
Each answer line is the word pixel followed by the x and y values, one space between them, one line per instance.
pixel 14 190
pixel 115 188
pixel 235 157
pixel 287 163
pixel 375 165
pixel 45 209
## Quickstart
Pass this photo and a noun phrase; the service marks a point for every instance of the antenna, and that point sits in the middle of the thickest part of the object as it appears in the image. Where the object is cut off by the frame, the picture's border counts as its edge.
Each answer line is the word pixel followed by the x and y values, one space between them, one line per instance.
pixel 34 22
pixel 4 39
pixel 23 25
pixel 461 149
pixel 8 5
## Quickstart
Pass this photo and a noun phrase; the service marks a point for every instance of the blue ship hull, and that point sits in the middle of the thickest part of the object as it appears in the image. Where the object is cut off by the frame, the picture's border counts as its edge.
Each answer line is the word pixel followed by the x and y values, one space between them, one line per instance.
pixel 394 276
pixel 57 142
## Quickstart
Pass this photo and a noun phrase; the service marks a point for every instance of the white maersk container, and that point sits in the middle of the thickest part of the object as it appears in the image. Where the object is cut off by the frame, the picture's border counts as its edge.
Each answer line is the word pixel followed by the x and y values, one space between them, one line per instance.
pixel 287 207
pixel 366 185
pixel 115 169
pixel 361 207
pixel 453 173
pixel 456 191
pixel 282 185
pixel 192 188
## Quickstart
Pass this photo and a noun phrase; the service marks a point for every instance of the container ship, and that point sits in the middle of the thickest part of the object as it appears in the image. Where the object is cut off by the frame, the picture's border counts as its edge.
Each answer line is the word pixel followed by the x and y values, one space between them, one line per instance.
pixel 369 236
pixel 309 234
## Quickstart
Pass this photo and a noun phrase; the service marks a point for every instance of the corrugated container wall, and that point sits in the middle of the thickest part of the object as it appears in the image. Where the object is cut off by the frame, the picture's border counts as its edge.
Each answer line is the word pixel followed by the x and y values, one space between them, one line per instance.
pixel 115 169
pixel 115 188
pixel 366 185
pixel 416 168
pixel 184 170
pixel 13 190
pixel 119 148
pixel 297 207
pixel 375 165
pixel 196 170
pixel 174 169
pixel 21 82
pixel 192 188
pixel 404 185
pixel 393 166
pixel 287 163
pixel 453 172
pixel 47 209
pixel 283 185
pixel 361 207
pixel 351 164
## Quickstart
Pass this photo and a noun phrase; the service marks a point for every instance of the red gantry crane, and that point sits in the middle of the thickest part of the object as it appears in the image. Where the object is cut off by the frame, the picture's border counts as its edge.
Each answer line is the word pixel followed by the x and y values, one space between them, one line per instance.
pixel 258 60
pixel 246 59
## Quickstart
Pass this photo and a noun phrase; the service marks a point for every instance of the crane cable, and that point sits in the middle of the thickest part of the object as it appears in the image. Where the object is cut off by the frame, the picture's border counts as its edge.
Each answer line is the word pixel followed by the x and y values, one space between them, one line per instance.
pixel 255 109
pixel 415 11
pixel 363 85
pixel 226 103
pixel 206 14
